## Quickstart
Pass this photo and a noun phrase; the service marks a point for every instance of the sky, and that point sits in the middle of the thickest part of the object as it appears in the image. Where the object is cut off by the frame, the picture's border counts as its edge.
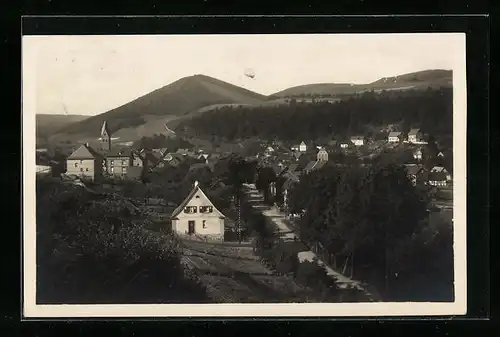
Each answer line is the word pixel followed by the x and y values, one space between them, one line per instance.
pixel 89 75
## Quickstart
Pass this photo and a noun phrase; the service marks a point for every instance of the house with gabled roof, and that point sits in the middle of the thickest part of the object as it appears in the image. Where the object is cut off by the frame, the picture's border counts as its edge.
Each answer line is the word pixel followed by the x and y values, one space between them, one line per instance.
pixel 198 217
pixel 302 147
pixel 414 136
pixel 394 137
pixel 118 161
pixel 358 140
pixel 86 163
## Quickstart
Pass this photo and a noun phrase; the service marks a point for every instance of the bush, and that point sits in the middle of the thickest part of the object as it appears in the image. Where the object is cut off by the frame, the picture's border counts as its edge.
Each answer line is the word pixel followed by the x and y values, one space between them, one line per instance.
pixel 98 251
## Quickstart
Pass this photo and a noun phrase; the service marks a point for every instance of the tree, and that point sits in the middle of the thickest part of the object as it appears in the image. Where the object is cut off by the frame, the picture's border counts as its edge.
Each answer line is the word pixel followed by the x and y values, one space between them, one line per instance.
pixel 265 177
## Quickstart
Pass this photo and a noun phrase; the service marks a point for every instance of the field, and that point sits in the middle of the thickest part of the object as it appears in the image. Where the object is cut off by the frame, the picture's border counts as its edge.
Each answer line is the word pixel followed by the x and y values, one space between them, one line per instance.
pixel 234 274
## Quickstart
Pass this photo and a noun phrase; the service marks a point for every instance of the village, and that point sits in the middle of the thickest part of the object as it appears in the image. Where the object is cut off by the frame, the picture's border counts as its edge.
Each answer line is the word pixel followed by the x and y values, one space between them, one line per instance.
pixel 213 246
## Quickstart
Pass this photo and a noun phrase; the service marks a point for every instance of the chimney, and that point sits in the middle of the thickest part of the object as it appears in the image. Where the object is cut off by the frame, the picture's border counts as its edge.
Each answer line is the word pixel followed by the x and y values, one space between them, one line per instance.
pixel 87 145
pixel 196 183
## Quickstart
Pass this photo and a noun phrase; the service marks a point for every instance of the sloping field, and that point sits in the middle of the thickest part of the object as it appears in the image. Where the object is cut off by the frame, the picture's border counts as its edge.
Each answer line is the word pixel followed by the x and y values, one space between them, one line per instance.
pixel 236 275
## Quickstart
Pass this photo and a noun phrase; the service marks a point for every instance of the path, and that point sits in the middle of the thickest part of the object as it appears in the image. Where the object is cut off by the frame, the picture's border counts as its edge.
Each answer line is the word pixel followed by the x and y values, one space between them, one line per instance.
pixel 288 234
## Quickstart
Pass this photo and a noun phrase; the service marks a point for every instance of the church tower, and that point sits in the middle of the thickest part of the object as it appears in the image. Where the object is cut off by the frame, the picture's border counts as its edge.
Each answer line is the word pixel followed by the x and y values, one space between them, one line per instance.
pixel 105 137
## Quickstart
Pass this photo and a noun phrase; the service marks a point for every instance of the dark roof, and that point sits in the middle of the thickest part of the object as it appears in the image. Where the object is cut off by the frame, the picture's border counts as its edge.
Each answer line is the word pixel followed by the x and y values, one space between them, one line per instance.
pixel 413 168
pixel 84 152
pixel 119 152
pixel 413 132
pixel 183 204
pixel 357 137
pixel 437 176
pixel 394 134
pixel 310 166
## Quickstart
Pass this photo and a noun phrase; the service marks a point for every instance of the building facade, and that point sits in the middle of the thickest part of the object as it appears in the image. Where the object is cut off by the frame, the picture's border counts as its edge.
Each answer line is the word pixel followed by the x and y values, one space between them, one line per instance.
pixel 85 163
pixel 197 216
pixel 394 137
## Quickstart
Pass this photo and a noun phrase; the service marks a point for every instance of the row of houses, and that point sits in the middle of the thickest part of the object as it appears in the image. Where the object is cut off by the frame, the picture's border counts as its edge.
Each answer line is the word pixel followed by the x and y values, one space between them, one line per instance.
pixel 123 162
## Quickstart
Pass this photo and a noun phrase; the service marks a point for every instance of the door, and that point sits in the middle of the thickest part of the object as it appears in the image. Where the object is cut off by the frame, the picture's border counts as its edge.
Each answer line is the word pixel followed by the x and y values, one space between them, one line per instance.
pixel 191 227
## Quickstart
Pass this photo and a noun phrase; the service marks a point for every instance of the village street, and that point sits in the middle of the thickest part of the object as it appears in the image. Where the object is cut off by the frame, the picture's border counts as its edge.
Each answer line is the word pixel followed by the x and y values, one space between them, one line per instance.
pixel 286 233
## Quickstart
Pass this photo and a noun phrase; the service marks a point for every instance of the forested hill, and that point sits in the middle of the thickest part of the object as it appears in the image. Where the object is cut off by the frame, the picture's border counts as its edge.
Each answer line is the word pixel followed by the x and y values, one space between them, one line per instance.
pixel 431 110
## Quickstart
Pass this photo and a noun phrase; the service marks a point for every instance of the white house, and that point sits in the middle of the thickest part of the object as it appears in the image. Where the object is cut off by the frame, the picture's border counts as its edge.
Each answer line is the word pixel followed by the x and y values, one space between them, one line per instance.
pixel 414 136
pixel 322 155
pixel 440 169
pixel 344 145
pixel 302 147
pixel 358 140
pixel 197 216
pixel 394 137
pixel 417 154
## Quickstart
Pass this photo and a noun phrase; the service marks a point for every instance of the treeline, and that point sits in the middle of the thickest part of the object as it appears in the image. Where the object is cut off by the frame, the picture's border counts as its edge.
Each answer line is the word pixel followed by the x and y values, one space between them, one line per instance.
pixel 95 249
pixel 372 224
pixel 158 141
pixel 431 110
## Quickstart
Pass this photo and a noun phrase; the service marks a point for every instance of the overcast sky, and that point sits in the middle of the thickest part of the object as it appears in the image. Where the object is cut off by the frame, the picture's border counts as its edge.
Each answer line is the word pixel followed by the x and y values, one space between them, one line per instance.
pixel 93 74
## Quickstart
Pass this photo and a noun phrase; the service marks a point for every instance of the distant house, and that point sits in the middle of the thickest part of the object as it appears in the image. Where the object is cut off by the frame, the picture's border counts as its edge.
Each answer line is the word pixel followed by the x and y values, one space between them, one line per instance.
pixel 437 179
pixel 269 149
pixel 43 169
pixel 440 169
pixel 118 162
pixel 440 154
pixel 358 140
pixel 171 159
pixel 162 151
pixel 86 163
pixel 302 147
pixel 415 136
pixel 417 154
pixel 344 145
pixel 394 137
pixel 322 155
pixel 197 216
pixel 295 148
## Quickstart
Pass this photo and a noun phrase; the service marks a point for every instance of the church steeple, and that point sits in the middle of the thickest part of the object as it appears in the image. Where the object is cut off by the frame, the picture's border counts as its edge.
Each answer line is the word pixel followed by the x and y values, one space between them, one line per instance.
pixel 105 137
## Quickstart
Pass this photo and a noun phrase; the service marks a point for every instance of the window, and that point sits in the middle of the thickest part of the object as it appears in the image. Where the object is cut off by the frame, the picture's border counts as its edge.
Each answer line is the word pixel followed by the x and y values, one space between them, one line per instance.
pixel 87 169
pixel 112 170
pixel 190 209
pixel 81 169
pixel 124 169
pixel 111 162
pixel 76 164
pixel 206 209
pixel 204 224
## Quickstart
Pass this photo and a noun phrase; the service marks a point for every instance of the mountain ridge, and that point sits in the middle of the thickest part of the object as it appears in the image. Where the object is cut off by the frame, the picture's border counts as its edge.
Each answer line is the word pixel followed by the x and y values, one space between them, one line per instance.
pixel 196 94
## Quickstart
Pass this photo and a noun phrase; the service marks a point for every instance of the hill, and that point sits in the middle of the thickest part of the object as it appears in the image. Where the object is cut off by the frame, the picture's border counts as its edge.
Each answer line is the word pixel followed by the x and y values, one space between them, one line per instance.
pixel 416 80
pixel 148 114
pixel 430 109
pixel 47 125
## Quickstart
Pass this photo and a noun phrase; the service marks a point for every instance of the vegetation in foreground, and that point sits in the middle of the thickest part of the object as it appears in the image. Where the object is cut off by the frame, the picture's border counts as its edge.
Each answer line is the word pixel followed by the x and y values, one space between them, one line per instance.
pixel 95 250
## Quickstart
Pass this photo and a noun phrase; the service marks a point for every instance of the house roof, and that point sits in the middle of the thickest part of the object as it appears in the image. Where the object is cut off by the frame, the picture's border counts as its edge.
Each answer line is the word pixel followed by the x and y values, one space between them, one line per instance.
pixel 161 151
pixel 310 166
pixel 84 152
pixel 196 189
pixel 413 168
pixel 302 143
pixel 119 152
pixel 439 169
pixel 413 132
pixel 394 134
pixel 357 138
pixel 437 176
